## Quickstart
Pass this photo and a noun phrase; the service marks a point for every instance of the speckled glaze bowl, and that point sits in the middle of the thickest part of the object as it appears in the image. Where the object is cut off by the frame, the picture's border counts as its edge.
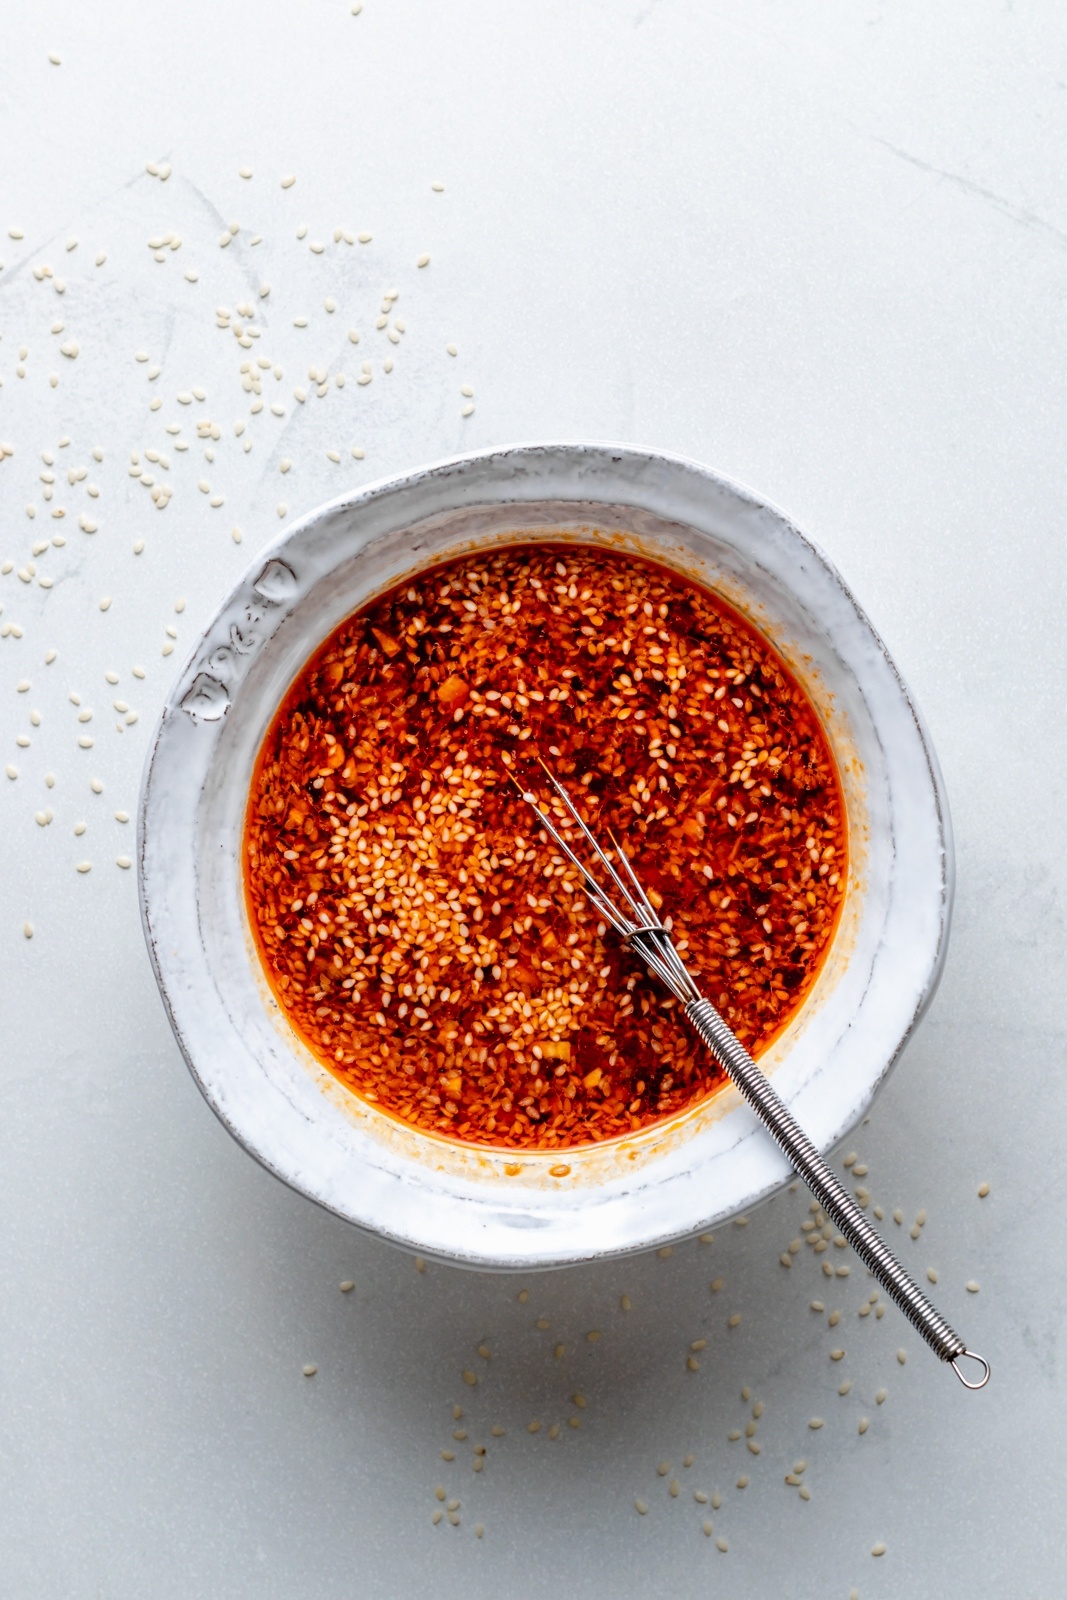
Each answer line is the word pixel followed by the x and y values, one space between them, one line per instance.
pixel 507 1209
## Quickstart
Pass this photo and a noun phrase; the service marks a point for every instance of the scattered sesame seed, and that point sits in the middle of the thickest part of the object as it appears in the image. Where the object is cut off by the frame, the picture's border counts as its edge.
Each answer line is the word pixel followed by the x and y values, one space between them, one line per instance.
pixel 423 261
pixel 902 1356
pixel 347 1286
pixel 878 1549
pixel 972 1286
pixel 84 866
pixel 287 183
pixel 931 1274
pixel 983 1190
pixel 720 1544
pixel 123 861
pixel 863 1425
pixel 641 1507
pixel 815 1423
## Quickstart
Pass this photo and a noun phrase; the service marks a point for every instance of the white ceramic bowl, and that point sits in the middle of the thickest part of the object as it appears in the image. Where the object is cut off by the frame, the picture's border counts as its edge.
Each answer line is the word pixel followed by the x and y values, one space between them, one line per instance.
pixel 506 1209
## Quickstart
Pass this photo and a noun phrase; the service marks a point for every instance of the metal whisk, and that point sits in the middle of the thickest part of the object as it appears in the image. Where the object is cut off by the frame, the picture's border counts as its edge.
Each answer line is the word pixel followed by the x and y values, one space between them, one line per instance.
pixel 642 929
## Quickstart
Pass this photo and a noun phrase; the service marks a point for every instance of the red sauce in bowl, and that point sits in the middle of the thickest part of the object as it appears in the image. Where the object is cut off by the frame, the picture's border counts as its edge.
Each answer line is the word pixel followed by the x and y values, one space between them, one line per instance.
pixel 429 942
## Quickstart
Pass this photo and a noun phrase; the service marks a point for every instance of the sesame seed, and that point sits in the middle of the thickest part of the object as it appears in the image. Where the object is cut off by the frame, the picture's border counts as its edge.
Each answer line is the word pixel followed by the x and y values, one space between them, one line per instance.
pixel 84 866
pixel 881 1396
pixel 983 1190
pixel 902 1356
pixel 878 1549
pixel 863 1425
pixel 815 1423
pixel 972 1286
pixel 641 1507
pixel 423 261
pixel 287 183
pixel 720 1544
pixel 347 1286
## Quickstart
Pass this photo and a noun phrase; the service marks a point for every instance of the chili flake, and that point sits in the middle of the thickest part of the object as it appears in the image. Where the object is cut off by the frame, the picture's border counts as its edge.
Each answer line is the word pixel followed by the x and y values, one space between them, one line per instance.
pixel 430 943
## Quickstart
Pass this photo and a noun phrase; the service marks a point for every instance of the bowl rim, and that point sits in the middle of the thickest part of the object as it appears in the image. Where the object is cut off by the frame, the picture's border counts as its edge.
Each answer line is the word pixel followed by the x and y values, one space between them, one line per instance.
pixel 528 455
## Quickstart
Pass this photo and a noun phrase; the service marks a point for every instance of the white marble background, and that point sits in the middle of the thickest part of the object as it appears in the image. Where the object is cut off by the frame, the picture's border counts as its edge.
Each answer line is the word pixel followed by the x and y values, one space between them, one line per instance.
pixel 820 246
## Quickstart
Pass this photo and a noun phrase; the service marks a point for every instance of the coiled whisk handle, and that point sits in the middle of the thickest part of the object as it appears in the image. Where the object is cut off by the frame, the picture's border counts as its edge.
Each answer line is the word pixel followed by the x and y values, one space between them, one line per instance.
pixel 831 1195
